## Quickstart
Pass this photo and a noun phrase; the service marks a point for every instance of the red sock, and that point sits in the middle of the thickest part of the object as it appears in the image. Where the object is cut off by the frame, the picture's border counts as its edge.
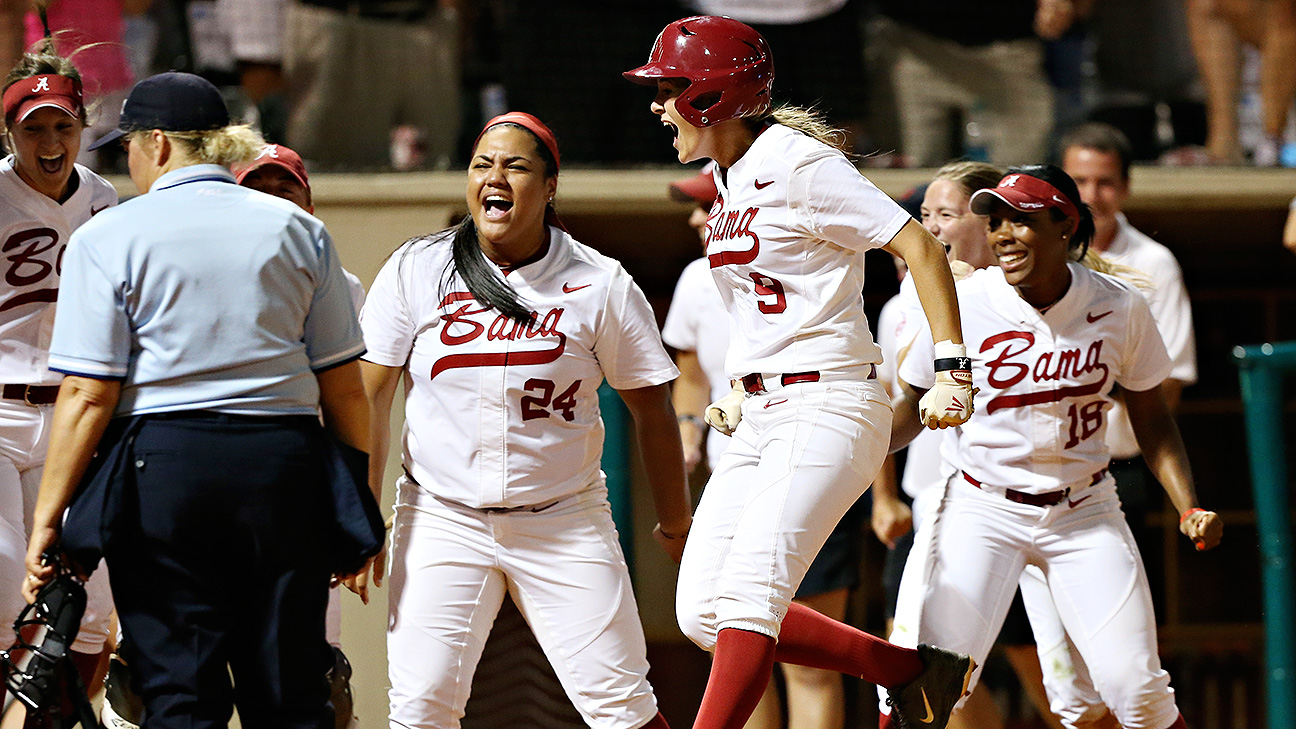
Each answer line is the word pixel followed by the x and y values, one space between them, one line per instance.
pixel 657 722
pixel 740 670
pixel 811 639
pixel 887 721
pixel 1178 723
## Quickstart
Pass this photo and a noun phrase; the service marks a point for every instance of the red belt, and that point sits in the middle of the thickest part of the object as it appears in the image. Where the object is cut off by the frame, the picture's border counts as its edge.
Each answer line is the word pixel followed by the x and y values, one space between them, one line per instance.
pixel 755 382
pixel 1050 498
pixel 31 394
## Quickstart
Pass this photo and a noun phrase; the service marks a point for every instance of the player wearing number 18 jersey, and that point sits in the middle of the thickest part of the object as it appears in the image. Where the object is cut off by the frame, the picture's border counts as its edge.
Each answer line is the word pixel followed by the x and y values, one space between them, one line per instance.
pixel 504 328
pixel 1051 343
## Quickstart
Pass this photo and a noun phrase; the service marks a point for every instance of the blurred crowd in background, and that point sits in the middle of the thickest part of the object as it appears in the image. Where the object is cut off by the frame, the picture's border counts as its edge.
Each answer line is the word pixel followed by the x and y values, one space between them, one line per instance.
pixel 403 84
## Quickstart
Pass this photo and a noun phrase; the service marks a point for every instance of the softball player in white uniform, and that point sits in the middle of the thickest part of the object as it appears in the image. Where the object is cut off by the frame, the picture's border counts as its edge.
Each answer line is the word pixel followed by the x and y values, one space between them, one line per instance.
pixel 502 490
pixel 1051 341
pixel 786 244
pixel 44 196
pixel 946 214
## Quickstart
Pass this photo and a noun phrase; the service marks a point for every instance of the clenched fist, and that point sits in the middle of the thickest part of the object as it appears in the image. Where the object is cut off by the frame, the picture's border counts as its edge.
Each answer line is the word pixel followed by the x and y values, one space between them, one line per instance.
pixel 949 401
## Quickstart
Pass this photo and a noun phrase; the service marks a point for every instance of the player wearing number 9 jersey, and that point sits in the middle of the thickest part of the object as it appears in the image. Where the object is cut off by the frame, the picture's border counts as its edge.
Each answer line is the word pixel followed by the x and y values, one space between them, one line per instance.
pixel 1051 343
pixel 785 243
pixel 504 328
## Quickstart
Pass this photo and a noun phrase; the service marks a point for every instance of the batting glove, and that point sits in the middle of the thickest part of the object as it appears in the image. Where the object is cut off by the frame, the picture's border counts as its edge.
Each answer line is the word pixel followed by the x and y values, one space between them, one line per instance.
pixel 949 401
pixel 724 414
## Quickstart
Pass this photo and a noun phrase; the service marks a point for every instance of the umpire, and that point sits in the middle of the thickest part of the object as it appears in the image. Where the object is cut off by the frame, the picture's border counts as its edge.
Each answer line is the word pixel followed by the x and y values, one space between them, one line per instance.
pixel 201 328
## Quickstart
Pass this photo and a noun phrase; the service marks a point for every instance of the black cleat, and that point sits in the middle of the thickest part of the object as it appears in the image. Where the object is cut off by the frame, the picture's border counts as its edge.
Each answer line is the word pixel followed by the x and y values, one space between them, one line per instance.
pixel 122 707
pixel 926 701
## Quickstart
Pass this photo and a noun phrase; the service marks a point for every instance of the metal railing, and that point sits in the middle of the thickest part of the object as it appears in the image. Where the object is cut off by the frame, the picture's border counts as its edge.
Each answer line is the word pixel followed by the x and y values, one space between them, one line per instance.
pixel 1262 370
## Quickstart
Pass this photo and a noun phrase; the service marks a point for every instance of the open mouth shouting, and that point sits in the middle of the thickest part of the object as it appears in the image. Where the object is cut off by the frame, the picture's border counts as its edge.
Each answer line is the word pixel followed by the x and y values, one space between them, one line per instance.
pixel 52 164
pixel 496 207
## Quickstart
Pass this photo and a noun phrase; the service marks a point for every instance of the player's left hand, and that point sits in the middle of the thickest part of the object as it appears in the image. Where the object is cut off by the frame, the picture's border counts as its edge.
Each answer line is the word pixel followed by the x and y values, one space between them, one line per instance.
pixel 672 544
pixel 949 402
pixel 1205 528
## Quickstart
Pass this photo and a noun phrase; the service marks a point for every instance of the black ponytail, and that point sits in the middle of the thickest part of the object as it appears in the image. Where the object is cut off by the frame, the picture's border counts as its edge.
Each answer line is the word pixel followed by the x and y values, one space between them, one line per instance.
pixel 479 276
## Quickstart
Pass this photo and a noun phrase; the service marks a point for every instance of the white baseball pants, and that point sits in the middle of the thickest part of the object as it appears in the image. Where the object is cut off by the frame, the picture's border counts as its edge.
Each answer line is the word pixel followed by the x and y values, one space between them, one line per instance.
pixel 24 441
pixel 1095 577
pixel 563 567
pixel 801 456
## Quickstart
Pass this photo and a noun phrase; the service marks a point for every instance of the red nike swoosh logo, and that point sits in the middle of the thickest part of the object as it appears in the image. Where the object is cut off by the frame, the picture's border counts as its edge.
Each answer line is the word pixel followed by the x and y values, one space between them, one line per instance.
pixel 1093 318
pixel 762 185
pixel 1077 502
pixel 775 402
pixel 569 289
pixel 94 212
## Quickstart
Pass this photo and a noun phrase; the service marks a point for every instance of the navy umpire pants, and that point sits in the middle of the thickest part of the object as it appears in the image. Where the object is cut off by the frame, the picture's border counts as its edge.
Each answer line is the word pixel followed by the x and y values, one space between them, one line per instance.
pixel 218 568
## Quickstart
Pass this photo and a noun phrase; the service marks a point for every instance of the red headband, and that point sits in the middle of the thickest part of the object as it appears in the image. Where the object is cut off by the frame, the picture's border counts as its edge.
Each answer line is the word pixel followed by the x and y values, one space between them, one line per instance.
pixel 29 94
pixel 1026 193
pixel 538 128
pixel 531 124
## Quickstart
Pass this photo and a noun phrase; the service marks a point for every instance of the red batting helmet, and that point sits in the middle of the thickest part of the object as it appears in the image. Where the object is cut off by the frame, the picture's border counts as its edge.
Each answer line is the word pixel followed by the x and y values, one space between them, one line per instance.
pixel 718 57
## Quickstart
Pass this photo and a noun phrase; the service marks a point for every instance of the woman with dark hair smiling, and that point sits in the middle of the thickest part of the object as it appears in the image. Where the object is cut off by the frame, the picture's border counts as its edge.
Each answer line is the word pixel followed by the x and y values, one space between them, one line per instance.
pixel 1053 345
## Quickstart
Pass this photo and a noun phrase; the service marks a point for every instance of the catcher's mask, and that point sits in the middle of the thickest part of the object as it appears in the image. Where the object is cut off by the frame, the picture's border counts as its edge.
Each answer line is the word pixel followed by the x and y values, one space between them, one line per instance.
pixel 37 668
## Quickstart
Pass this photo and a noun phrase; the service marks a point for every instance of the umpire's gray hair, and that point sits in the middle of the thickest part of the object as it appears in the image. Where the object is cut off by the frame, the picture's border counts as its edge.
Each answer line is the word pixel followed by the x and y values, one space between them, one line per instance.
pixel 226 146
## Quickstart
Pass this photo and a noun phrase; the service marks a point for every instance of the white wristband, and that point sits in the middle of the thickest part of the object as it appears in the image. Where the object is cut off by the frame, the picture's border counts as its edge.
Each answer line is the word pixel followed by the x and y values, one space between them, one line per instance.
pixel 945 349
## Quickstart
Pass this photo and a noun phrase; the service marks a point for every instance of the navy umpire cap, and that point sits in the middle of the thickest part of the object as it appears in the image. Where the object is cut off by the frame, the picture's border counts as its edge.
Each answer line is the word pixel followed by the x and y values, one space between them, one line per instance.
pixel 173 102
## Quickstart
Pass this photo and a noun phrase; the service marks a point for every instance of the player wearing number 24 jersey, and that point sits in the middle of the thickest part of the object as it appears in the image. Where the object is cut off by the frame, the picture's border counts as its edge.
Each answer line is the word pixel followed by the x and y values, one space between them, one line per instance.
pixel 503 328
pixel 533 386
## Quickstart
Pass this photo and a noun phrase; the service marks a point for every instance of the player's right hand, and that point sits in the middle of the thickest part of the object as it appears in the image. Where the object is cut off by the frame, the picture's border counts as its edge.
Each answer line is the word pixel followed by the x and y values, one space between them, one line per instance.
pixel 724 414
pixel 1205 528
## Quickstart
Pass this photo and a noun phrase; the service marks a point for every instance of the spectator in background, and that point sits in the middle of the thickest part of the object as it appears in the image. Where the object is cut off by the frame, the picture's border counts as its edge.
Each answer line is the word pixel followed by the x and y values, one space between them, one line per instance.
pixel 585 44
pixel 956 57
pixel 12 31
pixel 372 84
pixel 89 32
pixel 1097 156
pixel 255 29
pixel 821 53
pixel 1146 76
pixel 1217 28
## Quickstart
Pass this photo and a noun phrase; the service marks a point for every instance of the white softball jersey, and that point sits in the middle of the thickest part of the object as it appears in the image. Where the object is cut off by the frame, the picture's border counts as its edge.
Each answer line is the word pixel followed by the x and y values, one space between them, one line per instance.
pixel 697 322
pixel 786 241
pixel 1045 380
pixel 34 230
pixel 1167 297
pixel 501 414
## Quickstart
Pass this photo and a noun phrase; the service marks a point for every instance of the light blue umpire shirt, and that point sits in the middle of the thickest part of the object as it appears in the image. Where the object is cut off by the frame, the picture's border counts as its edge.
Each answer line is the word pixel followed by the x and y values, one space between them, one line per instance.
pixel 204 295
